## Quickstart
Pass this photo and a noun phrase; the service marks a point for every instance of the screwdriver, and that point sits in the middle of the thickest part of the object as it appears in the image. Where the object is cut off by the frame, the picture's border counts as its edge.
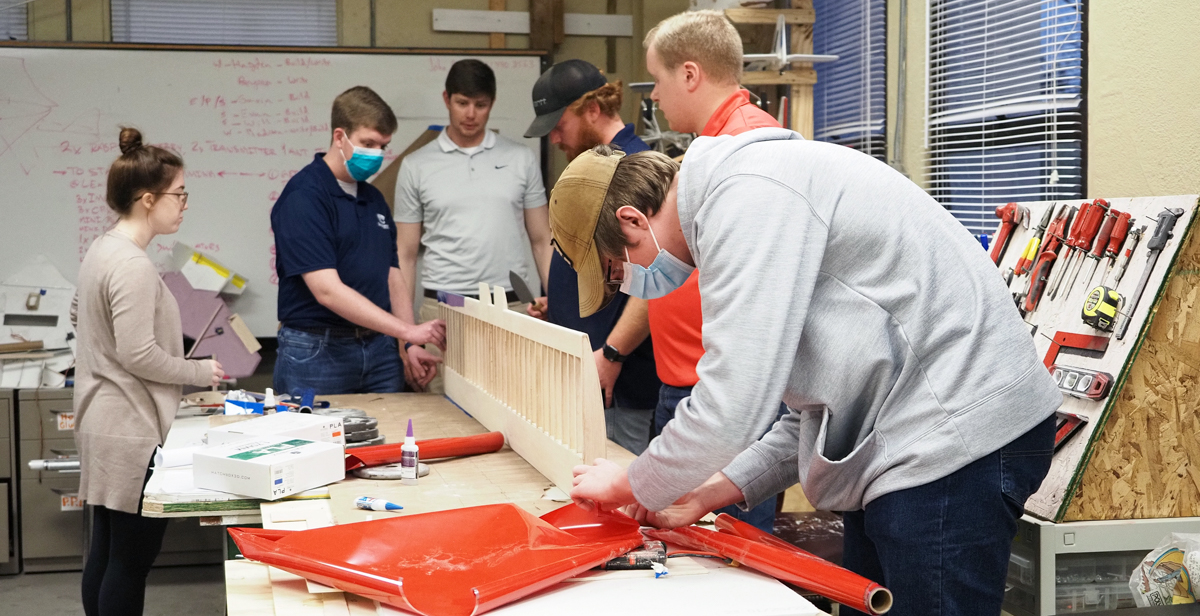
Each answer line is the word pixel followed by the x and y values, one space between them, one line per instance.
pixel 1119 232
pixel 1103 239
pixel 1083 243
pixel 1069 240
pixel 1122 262
pixel 1045 262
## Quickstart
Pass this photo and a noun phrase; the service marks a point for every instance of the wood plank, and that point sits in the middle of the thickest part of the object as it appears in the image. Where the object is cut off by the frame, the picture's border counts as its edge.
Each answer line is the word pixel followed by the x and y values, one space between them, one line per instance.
pixel 247 589
pixel 797 76
pixel 541 24
pixel 800 96
pixel 496 39
pixel 770 17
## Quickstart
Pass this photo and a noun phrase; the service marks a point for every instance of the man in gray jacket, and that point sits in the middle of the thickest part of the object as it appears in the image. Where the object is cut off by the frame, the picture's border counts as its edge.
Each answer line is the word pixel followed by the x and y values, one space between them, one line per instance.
pixel 918 404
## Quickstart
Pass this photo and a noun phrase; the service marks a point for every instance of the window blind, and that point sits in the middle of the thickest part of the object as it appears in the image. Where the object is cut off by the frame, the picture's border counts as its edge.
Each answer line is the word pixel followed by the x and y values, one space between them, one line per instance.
pixel 14 21
pixel 226 22
pixel 849 98
pixel 1004 118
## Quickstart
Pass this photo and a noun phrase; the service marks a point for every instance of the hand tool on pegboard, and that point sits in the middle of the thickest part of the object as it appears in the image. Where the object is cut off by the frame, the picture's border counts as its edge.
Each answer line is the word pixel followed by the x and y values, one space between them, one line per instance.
pixel 1010 216
pixel 1032 250
pixel 1067 424
pixel 1163 231
pixel 1074 230
pixel 1120 231
pixel 1081 382
pixel 1082 342
pixel 1101 307
pixel 1121 263
pixel 1083 243
pixel 1103 239
pixel 1044 267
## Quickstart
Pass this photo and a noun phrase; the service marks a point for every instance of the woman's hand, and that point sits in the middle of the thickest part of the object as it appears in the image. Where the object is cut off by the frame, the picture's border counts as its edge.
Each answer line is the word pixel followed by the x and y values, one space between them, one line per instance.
pixel 217 371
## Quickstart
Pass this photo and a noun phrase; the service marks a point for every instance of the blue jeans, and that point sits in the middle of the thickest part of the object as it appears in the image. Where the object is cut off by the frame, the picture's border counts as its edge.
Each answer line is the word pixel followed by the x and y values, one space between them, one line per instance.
pixel 763 515
pixel 330 365
pixel 942 548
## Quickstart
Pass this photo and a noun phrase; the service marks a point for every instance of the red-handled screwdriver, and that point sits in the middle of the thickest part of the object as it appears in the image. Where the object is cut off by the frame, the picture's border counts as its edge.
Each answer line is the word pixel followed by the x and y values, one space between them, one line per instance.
pixel 1119 232
pixel 1082 243
pixel 1104 240
pixel 1069 240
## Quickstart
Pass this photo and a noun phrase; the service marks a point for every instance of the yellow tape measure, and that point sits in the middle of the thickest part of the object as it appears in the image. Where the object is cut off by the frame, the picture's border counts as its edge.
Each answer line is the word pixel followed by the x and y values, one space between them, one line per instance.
pixel 1100 308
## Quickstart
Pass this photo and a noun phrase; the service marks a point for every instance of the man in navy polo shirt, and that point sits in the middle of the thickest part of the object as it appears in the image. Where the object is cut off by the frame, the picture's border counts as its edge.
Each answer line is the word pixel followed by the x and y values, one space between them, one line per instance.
pixel 578 109
pixel 339 279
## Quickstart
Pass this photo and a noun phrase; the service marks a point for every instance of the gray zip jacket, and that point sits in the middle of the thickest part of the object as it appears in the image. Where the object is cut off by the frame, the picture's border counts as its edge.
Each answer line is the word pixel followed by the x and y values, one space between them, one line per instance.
pixel 832 282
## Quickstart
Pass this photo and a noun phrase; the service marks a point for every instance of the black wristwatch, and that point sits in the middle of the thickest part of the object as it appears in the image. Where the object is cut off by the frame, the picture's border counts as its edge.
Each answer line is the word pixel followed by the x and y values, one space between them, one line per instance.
pixel 612 354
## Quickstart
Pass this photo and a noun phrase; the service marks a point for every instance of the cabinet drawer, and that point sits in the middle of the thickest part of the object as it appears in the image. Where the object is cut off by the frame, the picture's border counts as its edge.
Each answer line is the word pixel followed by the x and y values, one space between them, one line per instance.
pixel 49 448
pixel 6 406
pixel 47 414
pixel 51 539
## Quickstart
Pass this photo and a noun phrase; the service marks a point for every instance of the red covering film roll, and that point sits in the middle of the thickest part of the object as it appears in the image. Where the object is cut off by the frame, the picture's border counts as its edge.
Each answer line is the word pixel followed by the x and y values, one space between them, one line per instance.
pixel 431 449
pixel 790 564
pixel 460 562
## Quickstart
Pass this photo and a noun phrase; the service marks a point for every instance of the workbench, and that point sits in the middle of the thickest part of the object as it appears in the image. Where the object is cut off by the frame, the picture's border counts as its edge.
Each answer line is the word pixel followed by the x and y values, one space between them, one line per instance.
pixel 698 586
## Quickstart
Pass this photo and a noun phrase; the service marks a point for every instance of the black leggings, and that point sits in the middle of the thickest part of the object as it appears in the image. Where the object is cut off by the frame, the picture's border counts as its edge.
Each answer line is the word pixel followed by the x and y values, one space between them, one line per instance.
pixel 124 546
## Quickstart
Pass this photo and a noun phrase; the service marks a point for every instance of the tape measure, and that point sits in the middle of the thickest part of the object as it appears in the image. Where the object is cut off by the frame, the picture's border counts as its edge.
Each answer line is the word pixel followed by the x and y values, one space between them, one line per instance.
pixel 1100 308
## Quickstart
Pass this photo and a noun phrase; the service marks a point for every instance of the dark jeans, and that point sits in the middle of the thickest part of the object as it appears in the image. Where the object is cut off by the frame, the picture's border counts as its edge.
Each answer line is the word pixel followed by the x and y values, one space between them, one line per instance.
pixel 330 365
pixel 761 516
pixel 124 546
pixel 943 548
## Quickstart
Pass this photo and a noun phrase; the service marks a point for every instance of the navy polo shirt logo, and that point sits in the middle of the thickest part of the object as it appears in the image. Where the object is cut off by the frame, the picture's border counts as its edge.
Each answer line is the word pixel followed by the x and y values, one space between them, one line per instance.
pixel 382 221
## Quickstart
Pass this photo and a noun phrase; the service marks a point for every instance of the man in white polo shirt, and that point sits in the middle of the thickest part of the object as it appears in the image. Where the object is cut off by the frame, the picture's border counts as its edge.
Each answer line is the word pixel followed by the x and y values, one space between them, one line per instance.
pixel 474 200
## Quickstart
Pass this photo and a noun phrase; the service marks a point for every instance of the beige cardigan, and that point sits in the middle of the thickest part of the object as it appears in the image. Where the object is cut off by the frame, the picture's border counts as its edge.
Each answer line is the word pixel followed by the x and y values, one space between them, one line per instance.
pixel 129 369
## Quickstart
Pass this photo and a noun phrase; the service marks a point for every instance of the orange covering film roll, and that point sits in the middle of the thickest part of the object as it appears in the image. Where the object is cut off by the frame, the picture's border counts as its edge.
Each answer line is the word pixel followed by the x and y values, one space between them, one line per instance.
pixel 431 449
pixel 793 565
pixel 460 562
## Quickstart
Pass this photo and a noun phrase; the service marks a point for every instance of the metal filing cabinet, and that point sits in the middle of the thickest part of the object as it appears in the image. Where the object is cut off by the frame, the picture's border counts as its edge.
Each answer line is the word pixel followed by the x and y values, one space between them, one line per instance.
pixel 51 514
pixel 10 561
pixel 53 529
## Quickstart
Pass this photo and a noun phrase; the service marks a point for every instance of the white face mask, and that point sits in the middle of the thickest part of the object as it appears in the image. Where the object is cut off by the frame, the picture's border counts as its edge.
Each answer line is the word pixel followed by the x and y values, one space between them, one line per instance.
pixel 664 275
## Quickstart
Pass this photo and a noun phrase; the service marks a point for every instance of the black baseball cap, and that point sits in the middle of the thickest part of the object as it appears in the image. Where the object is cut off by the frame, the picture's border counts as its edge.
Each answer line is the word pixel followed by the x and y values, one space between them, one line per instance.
pixel 558 87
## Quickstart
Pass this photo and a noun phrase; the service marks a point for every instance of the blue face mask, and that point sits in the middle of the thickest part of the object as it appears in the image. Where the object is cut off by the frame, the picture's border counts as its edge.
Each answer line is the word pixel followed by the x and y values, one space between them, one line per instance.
pixel 363 163
pixel 664 275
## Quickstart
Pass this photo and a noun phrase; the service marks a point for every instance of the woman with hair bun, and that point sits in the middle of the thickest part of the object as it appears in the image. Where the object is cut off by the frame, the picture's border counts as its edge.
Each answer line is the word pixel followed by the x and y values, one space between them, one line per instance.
pixel 129 372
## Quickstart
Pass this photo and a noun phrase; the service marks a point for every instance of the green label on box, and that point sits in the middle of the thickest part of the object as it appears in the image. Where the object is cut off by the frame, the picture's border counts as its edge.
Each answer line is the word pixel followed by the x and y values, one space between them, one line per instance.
pixel 270 449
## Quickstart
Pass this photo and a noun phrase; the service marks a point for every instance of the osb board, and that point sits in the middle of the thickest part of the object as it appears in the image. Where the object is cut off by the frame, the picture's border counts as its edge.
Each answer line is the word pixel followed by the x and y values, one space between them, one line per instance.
pixel 1063 315
pixel 1146 464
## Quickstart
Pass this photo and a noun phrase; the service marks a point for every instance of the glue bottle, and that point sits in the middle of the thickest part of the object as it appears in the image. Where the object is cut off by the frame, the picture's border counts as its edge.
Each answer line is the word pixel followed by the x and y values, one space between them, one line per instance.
pixel 375 504
pixel 409 456
pixel 269 402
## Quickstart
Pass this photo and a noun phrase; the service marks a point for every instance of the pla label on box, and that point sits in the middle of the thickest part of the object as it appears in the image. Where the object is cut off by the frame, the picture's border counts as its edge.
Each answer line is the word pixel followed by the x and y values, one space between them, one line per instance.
pixel 268 468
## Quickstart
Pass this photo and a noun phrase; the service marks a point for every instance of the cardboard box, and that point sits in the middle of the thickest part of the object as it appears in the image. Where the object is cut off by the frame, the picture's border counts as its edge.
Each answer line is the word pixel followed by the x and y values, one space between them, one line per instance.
pixel 291 425
pixel 268 468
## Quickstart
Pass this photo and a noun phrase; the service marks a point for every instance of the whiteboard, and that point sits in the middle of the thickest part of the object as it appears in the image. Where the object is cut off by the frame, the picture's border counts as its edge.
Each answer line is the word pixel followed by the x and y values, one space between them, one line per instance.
pixel 244 121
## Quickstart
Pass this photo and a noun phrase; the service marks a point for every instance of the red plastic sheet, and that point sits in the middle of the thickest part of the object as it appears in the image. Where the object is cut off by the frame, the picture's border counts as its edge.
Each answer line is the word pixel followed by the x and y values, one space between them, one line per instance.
pixel 448 563
pixel 431 449
pixel 777 558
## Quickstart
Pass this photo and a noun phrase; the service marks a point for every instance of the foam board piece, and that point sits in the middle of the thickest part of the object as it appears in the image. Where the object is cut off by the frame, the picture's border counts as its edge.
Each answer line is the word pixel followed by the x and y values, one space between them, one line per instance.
pixel 204 272
pixel 290 425
pixel 36 304
pixel 205 317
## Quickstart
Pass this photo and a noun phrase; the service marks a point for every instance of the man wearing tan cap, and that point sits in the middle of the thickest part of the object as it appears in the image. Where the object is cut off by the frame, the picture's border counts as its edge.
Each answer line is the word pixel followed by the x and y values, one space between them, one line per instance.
pixel 918 405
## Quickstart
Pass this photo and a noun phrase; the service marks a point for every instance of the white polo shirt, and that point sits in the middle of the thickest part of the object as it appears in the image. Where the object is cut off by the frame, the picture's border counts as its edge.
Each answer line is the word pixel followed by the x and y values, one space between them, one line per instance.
pixel 472 204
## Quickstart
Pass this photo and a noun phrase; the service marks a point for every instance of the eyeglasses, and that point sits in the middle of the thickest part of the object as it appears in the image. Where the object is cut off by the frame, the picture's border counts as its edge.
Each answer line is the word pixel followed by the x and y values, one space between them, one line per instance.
pixel 609 281
pixel 182 195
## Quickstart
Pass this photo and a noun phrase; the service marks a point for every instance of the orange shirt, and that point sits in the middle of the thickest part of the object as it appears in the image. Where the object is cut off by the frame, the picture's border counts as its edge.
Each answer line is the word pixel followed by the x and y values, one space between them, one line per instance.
pixel 675 320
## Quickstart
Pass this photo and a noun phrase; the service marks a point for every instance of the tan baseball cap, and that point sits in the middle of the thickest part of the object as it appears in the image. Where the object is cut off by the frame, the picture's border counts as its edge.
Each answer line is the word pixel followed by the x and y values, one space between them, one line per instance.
pixel 575 205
